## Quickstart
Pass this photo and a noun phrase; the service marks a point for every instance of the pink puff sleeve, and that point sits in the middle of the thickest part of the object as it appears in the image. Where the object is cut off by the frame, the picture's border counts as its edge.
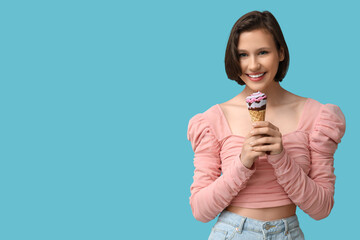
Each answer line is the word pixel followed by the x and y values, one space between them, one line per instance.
pixel 212 192
pixel 313 193
pixel 324 139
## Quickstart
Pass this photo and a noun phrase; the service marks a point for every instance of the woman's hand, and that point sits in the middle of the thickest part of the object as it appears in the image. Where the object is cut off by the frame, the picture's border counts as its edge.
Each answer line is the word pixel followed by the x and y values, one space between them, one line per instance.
pixel 248 155
pixel 270 141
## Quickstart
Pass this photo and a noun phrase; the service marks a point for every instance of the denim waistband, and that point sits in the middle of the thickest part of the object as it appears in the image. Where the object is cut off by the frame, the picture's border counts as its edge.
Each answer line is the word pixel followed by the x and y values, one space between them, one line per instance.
pixel 270 227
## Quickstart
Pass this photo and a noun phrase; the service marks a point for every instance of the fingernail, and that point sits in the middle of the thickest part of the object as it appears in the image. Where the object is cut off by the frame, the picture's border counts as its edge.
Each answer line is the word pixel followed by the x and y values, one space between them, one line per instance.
pixel 251 144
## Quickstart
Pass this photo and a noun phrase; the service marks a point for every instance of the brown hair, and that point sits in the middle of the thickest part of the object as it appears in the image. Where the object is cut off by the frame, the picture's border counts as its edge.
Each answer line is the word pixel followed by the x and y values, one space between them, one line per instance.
pixel 248 22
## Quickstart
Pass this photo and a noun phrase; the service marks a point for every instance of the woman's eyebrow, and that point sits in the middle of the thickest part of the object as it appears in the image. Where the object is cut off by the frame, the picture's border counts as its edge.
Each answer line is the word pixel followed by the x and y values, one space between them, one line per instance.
pixel 259 49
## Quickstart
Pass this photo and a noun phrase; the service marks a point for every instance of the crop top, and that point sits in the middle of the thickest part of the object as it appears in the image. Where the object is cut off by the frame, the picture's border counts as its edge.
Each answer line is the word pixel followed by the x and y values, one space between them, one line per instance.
pixel 302 173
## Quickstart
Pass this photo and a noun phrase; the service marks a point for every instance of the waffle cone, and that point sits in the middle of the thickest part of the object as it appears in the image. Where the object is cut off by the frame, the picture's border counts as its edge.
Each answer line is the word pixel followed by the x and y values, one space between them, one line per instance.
pixel 257 115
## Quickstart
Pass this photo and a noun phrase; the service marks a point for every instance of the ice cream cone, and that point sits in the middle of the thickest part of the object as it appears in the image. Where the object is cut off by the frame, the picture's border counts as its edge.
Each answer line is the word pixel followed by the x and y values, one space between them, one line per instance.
pixel 257 115
pixel 256 103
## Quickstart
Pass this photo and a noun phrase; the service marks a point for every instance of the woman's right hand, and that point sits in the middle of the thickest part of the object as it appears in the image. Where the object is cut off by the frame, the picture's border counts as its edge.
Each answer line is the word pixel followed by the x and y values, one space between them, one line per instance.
pixel 248 156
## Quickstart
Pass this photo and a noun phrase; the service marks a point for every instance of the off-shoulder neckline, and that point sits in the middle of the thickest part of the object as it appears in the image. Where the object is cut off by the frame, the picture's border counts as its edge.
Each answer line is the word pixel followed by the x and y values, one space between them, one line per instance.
pixel 229 132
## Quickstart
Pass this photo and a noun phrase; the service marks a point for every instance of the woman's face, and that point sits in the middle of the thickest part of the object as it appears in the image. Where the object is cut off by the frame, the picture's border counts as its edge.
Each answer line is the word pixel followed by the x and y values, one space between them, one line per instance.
pixel 259 59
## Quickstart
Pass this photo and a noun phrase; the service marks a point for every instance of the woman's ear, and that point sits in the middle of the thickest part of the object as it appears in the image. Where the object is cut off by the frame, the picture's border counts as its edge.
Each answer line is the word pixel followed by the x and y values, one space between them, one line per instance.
pixel 281 54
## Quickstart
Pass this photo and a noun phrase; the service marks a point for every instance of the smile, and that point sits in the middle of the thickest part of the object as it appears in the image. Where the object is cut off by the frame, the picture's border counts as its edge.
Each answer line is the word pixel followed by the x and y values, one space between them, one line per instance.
pixel 256 77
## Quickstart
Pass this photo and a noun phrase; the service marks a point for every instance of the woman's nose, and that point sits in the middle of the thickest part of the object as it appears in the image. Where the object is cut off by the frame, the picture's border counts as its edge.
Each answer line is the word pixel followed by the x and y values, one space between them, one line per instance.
pixel 254 64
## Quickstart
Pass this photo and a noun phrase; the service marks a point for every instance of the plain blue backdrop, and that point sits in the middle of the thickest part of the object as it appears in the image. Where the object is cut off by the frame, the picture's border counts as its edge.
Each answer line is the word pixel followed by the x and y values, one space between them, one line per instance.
pixel 95 99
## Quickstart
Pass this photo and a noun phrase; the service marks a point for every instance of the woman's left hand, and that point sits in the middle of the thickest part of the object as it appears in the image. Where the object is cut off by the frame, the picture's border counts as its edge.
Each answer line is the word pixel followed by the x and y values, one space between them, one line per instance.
pixel 271 142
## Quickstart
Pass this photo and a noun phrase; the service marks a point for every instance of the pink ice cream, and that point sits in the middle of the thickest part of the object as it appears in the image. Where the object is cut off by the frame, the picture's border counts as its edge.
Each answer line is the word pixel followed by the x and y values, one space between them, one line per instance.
pixel 256 101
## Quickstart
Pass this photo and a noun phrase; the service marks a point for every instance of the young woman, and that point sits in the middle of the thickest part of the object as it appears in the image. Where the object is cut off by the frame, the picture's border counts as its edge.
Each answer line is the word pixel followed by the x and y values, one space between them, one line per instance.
pixel 269 167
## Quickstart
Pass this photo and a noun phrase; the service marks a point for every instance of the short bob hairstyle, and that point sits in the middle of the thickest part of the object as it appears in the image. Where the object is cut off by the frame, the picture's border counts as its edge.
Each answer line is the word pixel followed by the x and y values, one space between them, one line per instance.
pixel 248 22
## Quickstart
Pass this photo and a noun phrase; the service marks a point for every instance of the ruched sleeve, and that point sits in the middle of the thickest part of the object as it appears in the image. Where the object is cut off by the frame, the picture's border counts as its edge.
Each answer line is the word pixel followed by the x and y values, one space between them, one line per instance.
pixel 212 192
pixel 314 193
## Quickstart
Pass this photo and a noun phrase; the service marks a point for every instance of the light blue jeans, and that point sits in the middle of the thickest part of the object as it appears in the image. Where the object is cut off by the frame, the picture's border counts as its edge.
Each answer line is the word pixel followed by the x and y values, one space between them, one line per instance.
pixel 233 226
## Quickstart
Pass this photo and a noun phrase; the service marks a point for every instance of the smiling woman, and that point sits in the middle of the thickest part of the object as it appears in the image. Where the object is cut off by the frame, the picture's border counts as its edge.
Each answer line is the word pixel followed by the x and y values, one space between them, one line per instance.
pixel 266 23
pixel 255 175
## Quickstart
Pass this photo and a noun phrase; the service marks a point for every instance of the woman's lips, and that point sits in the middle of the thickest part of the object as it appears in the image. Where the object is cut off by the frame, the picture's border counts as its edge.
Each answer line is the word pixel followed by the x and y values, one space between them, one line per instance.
pixel 256 77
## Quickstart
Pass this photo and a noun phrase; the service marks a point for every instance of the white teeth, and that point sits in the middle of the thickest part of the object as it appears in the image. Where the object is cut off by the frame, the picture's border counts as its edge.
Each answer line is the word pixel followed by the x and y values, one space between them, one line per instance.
pixel 254 76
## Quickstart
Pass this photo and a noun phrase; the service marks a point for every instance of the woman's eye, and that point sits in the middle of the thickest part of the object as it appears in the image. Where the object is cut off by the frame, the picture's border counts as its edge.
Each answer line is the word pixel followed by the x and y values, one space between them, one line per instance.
pixel 242 55
pixel 263 52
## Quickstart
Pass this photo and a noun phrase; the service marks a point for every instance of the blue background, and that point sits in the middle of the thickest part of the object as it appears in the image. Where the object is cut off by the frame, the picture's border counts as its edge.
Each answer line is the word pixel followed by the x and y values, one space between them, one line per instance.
pixel 95 99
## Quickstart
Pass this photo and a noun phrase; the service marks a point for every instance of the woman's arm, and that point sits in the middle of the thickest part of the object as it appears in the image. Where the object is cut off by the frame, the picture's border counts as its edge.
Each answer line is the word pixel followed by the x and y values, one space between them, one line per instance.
pixel 314 194
pixel 212 192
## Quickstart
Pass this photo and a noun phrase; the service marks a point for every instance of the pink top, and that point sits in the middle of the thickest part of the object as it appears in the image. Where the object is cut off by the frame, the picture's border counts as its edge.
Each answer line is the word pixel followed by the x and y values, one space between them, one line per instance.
pixel 302 173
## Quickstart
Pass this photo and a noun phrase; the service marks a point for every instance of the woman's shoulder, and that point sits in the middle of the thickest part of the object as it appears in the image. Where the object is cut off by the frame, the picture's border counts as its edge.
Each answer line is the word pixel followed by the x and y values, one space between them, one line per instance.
pixel 328 128
pixel 213 118
pixel 317 108
pixel 208 114
pixel 317 114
